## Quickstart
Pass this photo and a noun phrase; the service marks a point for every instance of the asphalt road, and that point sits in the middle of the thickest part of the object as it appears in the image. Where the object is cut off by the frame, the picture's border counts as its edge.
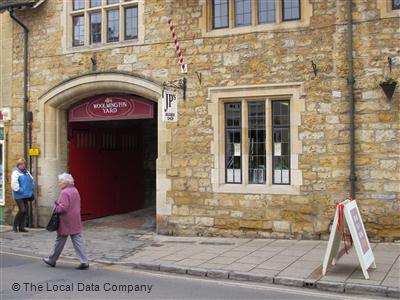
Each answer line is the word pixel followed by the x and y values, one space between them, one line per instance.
pixel 26 277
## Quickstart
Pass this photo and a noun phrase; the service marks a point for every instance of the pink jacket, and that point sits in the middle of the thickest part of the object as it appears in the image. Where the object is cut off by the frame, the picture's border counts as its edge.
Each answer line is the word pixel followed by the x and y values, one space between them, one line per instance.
pixel 68 207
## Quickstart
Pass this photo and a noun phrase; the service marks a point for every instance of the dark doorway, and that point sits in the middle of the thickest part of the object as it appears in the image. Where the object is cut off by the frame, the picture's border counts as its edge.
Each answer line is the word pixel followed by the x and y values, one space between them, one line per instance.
pixel 114 165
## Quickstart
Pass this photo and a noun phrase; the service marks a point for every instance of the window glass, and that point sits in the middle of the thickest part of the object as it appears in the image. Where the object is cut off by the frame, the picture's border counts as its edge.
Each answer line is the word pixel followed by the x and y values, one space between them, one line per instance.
pixel 256 141
pixel 281 142
pixel 113 25
pixel 78 4
pixel 291 10
pixel 131 23
pixel 220 13
pixel 242 12
pixel 112 2
pixel 78 31
pixel 95 3
pixel 95 28
pixel 266 11
pixel 395 4
pixel 233 143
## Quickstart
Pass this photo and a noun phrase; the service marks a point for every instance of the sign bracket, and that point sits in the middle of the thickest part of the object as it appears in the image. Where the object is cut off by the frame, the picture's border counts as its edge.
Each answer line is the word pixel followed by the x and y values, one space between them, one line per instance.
pixel 179 84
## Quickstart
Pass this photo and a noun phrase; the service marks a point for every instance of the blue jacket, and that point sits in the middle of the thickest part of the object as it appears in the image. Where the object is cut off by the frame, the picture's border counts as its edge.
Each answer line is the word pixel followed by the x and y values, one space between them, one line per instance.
pixel 22 184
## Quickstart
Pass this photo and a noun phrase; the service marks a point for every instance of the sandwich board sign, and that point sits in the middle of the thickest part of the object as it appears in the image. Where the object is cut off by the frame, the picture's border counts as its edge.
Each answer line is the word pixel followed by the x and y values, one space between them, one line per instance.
pixel 169 106
pixel 347 214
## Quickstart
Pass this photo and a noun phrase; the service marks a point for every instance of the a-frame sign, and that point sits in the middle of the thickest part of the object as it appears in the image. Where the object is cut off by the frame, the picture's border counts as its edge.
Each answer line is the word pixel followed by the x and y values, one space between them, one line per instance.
pixel 347 214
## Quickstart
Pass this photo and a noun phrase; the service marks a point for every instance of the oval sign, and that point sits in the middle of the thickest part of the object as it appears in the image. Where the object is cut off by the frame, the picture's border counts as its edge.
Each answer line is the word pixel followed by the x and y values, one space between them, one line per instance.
pixel 109 107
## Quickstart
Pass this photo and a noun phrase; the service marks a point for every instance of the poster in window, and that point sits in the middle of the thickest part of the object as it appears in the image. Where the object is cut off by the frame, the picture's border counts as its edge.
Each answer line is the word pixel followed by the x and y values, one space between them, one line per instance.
pixel 285 176
pixel 236 149
pixel 277 149
pixel 278 176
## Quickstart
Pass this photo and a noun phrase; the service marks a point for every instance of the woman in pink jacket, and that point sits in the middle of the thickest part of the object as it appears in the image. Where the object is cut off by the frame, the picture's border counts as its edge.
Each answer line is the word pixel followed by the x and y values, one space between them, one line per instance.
pixel 68 207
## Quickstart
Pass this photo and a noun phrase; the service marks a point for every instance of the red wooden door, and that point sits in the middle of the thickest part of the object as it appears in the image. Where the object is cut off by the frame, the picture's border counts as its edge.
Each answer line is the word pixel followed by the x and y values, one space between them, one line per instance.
pixel 107 165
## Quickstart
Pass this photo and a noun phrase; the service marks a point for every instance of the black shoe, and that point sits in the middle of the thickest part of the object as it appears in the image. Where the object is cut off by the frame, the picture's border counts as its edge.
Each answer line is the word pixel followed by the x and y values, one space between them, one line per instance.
pixel 15 228
pixel 23 230
pixel 47 262
pixel 82 267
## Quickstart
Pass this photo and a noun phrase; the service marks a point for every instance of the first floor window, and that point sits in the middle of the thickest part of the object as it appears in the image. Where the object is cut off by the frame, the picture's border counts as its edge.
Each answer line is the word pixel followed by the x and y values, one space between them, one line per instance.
pixel 78 31
pixel 233 140
pixel 220 14
pixel 113 25
pixel 112 2
pixel 78 4
pixel 242 12
pixel 266 11
pixel 95 28
pixel 131 23
pixel 291 10
pixel 281 142
pixel 95 3
pixel 395 4
pixel 254 147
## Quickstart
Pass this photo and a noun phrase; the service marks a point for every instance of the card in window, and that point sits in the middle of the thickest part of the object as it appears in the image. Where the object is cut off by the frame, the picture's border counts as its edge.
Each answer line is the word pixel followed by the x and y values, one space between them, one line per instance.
pixel 278 176
pixel 277 149
pixel 285 176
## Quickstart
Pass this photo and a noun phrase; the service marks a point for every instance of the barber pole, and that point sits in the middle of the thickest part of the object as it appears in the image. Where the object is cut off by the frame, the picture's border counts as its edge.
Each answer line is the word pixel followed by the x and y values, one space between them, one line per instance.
pixel 177 47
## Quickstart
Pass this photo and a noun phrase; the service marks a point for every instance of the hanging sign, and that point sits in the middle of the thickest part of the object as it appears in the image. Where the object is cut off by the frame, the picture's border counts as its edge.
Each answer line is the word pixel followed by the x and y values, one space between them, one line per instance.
pixel 348 216
pixel 169 106
pixel 34 152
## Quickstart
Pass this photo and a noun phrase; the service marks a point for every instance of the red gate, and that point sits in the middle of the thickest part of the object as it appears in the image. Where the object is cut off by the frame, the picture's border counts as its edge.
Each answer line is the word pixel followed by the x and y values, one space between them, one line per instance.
pixel 107 165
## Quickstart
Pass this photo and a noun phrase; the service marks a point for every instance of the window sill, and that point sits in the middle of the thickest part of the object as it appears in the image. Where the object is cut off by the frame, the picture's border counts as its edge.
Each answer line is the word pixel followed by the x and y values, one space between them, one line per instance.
pixel 257 189
pixel 110 45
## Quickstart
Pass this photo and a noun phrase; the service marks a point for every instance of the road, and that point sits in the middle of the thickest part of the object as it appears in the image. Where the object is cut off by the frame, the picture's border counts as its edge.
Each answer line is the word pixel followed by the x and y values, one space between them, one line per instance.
pixel 26 277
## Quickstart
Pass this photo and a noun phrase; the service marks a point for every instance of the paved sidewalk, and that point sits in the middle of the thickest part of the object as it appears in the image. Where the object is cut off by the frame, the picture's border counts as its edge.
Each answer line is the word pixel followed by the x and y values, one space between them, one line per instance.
pixel 287 262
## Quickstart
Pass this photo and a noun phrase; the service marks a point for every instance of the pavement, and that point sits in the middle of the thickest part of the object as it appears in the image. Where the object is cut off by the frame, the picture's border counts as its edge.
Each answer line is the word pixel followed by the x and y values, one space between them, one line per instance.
pixel 130 240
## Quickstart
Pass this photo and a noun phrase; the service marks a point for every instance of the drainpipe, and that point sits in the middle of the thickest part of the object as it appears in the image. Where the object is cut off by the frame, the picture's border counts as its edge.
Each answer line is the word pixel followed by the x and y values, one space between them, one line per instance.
pixel 26 99
pixel 350 85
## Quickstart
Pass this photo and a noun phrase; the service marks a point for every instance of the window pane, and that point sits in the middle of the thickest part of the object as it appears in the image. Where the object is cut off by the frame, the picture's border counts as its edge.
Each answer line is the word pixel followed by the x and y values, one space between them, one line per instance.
pixel 242 12
pixel 395 4
pixel 112 1
pixel 233 143
pixel 256 133
pixel 78 4
pixel 113 25
pixel 291 10
pixel 281 142
pixel 95 3
pixel 266 11
pixel 95 28
pixel 78 31
pixel 131 23
pixel 220 13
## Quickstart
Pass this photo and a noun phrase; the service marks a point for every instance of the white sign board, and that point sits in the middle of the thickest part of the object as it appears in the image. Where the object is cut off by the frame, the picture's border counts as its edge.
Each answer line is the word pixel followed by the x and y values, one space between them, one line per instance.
pixel 169 107
pixel 352 218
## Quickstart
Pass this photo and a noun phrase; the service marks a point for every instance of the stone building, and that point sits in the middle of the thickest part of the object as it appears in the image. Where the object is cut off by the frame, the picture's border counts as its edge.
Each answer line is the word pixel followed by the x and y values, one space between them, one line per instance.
pixel 262 142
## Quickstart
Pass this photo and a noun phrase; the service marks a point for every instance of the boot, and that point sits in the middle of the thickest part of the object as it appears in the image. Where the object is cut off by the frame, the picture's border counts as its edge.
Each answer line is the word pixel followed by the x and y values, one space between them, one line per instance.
pixel 22 229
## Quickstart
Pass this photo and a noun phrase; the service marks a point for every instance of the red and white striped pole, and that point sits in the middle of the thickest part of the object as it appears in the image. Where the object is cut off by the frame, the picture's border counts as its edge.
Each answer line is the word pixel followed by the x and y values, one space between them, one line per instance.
pixel 177 47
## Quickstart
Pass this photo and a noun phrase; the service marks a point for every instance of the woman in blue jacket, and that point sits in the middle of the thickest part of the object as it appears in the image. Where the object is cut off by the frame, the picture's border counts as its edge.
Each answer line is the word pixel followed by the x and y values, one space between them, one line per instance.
pixel 22 186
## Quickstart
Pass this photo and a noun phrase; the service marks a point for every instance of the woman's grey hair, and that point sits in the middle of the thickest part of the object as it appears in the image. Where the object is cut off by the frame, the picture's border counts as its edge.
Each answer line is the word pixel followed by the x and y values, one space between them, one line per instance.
pixel 20 161
pixel 67 178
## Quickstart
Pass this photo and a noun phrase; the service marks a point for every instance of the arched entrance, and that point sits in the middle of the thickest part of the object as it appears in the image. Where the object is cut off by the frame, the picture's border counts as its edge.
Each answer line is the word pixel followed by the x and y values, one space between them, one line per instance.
pixel 53 108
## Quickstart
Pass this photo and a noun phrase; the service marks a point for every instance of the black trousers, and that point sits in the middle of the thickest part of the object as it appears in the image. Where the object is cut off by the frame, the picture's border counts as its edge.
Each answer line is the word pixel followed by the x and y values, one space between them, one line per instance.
pixel 20 218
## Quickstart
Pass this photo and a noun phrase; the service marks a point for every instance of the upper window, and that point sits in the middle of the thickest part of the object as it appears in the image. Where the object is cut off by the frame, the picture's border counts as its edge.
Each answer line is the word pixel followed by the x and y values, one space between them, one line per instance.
pixel 395 4
pixel 250 12
pixel 98 22
pixel 290 10
pixel 220 13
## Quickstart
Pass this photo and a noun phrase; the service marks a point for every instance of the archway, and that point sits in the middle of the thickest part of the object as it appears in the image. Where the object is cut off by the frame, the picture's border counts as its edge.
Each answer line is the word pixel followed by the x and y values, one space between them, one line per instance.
pixel 52 115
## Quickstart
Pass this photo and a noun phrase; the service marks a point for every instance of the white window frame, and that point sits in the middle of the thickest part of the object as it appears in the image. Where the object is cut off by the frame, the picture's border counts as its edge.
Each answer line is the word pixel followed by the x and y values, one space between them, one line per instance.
pixel 68 25
pixel 217 97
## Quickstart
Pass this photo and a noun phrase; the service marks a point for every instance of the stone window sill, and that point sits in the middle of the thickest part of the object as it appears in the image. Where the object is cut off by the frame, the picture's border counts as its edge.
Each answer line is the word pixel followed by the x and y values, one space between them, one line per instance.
pixel 257 189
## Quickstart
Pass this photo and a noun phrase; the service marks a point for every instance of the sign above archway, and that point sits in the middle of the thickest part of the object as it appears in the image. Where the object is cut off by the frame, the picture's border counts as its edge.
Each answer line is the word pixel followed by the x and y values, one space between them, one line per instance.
pixel 109 107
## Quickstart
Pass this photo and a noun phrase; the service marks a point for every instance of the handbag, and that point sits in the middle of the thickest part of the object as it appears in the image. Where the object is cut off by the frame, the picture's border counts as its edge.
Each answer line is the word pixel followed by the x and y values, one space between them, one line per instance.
pixel 53 222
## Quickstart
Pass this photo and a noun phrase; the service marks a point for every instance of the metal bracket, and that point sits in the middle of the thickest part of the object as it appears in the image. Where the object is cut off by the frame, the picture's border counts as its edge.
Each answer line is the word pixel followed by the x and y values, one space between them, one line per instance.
pixel 176 84
pixel 390 62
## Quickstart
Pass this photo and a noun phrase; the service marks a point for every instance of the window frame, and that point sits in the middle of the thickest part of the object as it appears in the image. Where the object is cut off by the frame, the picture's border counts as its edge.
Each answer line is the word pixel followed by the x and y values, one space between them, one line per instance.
pixel 283 12
pixel 213 16
pixel 86 11
pixel 73 31
pixel 137 23
pixel 394 7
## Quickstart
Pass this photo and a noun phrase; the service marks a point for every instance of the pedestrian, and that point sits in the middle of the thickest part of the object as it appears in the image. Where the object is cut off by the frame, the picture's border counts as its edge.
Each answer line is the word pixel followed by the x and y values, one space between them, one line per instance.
pixel 68 207
pixel 22 186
